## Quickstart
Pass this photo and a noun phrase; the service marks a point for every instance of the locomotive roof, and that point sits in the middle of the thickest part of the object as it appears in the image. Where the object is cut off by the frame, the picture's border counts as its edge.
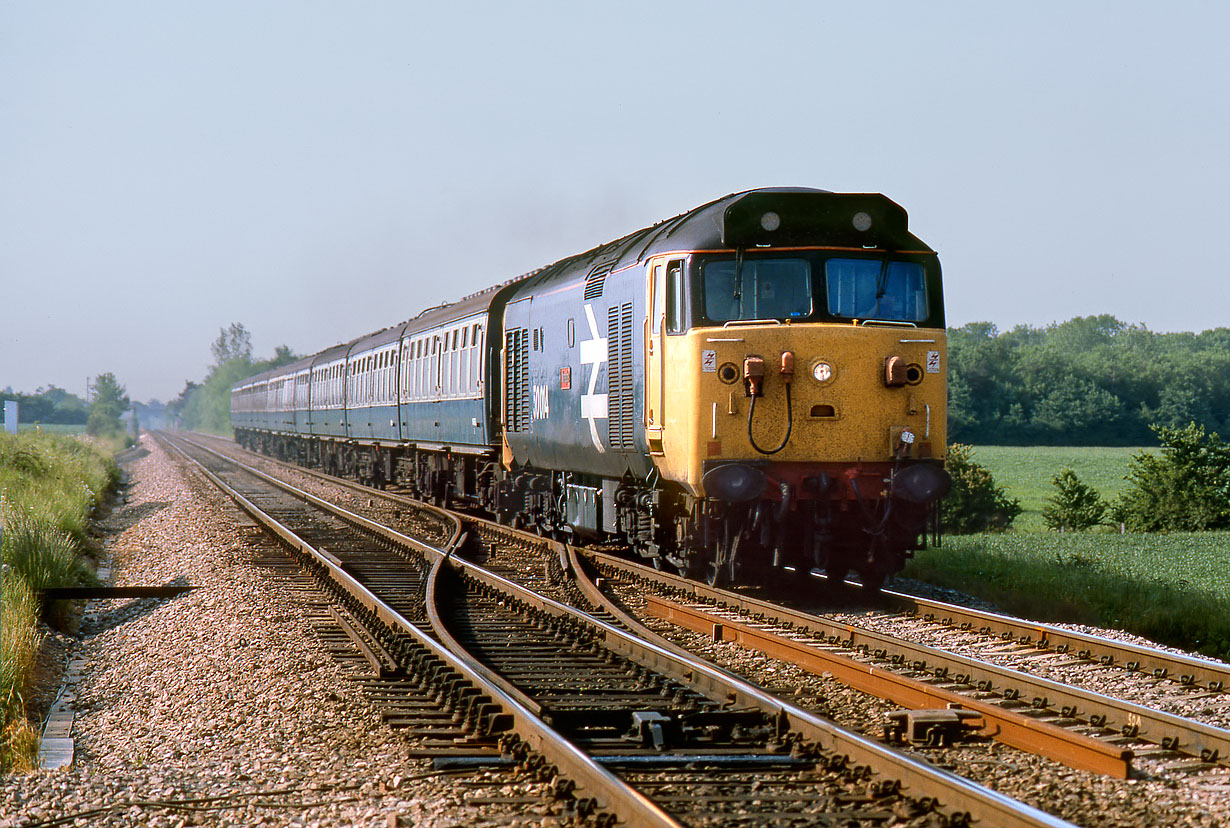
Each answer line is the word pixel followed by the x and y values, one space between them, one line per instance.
pixel 803 216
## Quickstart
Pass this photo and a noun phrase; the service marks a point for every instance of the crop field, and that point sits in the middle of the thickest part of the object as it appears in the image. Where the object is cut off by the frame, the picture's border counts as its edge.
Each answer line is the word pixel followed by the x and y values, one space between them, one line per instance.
pixel 1172 588
pixel 1025 472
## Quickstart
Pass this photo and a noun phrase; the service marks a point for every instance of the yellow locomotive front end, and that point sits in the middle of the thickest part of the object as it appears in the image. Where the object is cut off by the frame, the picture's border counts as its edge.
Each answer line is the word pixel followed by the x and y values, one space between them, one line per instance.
pixel 859 397
pixel 795 395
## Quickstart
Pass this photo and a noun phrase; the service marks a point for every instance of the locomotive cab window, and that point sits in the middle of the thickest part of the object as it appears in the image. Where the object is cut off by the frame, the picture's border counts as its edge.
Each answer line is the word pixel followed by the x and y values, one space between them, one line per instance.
pixel 756 289
pixel 876 289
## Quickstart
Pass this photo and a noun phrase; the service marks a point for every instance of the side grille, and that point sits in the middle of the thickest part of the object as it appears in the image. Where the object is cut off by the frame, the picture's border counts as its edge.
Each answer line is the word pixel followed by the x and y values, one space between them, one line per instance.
pixel 620 380
pixel 596 278
pixel 517 385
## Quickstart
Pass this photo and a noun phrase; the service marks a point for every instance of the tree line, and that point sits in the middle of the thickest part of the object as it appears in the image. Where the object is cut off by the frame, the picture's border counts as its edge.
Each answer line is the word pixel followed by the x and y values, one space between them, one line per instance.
pixel 49 405
pixel 1090 381
pixel 55 406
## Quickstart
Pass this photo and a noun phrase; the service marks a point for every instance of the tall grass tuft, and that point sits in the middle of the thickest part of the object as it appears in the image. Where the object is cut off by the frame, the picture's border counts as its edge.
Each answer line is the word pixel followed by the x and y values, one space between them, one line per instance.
pixel 41 555
pixel 57 479
pixel 19 643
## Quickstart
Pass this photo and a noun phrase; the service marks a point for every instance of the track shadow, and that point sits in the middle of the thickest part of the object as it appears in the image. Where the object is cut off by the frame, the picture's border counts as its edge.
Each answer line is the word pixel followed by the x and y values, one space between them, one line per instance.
pixel 122 610
pixel 128 516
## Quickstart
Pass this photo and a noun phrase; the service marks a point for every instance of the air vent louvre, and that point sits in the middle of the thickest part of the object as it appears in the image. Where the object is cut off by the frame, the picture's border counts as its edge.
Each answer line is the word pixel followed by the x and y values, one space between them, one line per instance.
pixel 517 389
pixel 620 383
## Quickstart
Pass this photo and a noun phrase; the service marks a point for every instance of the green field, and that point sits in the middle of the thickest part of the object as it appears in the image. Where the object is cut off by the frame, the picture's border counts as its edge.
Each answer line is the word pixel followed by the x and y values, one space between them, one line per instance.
pixel 52 428
pixel 1025 472
pixel 1173 588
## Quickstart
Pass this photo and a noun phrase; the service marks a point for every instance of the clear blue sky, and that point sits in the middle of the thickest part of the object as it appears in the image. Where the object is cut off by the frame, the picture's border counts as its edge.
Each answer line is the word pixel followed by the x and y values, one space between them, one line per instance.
pixel 316 170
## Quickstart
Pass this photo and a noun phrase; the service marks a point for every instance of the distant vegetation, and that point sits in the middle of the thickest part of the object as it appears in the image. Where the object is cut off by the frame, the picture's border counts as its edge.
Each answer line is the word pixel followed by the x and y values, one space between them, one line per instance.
pixel 207 406
pixel 48 405
pixel 49 485
pixel 1090 381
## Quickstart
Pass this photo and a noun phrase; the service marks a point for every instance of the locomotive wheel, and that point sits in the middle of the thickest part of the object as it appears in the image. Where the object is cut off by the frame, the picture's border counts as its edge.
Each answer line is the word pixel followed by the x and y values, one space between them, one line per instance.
pixel 835 576
pixel 872 581
pixel 723 570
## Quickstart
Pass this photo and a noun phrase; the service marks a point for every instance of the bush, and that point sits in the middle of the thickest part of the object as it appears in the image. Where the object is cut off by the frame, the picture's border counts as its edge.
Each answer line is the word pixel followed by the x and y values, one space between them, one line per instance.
pixel 1185 489
pixel 1074 506
pixel 974 503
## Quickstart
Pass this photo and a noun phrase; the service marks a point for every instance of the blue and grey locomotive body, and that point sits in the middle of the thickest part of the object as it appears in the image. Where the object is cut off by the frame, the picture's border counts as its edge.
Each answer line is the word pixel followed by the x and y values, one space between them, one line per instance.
pixel 757 383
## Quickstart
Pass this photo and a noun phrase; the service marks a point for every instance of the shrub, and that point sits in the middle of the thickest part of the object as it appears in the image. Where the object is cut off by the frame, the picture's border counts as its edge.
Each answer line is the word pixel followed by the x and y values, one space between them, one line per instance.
pixel 1074 506
pixel 974 503
pixel 1185 489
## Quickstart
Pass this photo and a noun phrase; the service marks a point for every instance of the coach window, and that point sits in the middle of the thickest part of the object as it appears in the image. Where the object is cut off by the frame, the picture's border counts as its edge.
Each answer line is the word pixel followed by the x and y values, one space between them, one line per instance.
pixel 676 298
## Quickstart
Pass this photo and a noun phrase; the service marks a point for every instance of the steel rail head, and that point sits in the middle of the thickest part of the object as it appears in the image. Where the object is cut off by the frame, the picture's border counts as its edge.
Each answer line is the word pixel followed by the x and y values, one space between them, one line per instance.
pixel 632 807
pixel 1135 720
pixel 1186 669
pixel 456 536
pixel 957 795
pixel 919 778
pixel 1004 725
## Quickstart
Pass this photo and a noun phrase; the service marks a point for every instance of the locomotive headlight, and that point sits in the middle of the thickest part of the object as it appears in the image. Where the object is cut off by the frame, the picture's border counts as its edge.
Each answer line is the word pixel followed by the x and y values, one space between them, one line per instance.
pixel 822 372
pixel 862 222
pixel 921 483
pixel 770 221
pixel 734 482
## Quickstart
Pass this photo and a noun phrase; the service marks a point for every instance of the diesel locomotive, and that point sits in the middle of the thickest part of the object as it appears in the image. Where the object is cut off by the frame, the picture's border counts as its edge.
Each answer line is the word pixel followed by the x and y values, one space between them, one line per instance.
pixel 754 386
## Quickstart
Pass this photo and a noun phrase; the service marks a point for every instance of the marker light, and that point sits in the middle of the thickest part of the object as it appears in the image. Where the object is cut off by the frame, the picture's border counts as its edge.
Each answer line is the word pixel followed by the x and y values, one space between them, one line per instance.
pixel 822 372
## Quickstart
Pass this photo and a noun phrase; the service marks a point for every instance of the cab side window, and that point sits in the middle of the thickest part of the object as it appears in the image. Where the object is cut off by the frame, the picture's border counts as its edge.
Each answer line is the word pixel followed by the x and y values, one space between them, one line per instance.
pixel 676 296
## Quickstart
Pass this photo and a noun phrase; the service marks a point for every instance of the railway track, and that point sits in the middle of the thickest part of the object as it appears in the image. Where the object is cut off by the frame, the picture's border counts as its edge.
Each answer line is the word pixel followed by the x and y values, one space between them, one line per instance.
pixel 877 661
pixel 620 728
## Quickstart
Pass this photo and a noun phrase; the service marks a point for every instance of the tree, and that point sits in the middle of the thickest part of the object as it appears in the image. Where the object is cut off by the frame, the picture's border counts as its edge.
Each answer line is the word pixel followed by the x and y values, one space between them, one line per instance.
pixel 1074 506
pixel 233 343
pixel 110 401
pixel 207 406
pixel 1184 489
pixel 974 503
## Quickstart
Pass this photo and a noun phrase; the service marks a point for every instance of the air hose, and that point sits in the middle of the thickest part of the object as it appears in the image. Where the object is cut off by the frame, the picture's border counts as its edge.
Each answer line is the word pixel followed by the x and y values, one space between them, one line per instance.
pixel 751 410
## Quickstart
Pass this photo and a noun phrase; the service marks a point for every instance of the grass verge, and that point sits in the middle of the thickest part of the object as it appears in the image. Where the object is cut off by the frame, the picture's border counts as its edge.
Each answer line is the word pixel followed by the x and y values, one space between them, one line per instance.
pixel 49 485
pixel 1174 588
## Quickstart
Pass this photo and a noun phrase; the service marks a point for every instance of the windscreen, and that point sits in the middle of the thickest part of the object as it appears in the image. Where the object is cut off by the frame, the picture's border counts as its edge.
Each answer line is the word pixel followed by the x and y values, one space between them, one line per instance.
pixel 757 289
pixel 876 289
